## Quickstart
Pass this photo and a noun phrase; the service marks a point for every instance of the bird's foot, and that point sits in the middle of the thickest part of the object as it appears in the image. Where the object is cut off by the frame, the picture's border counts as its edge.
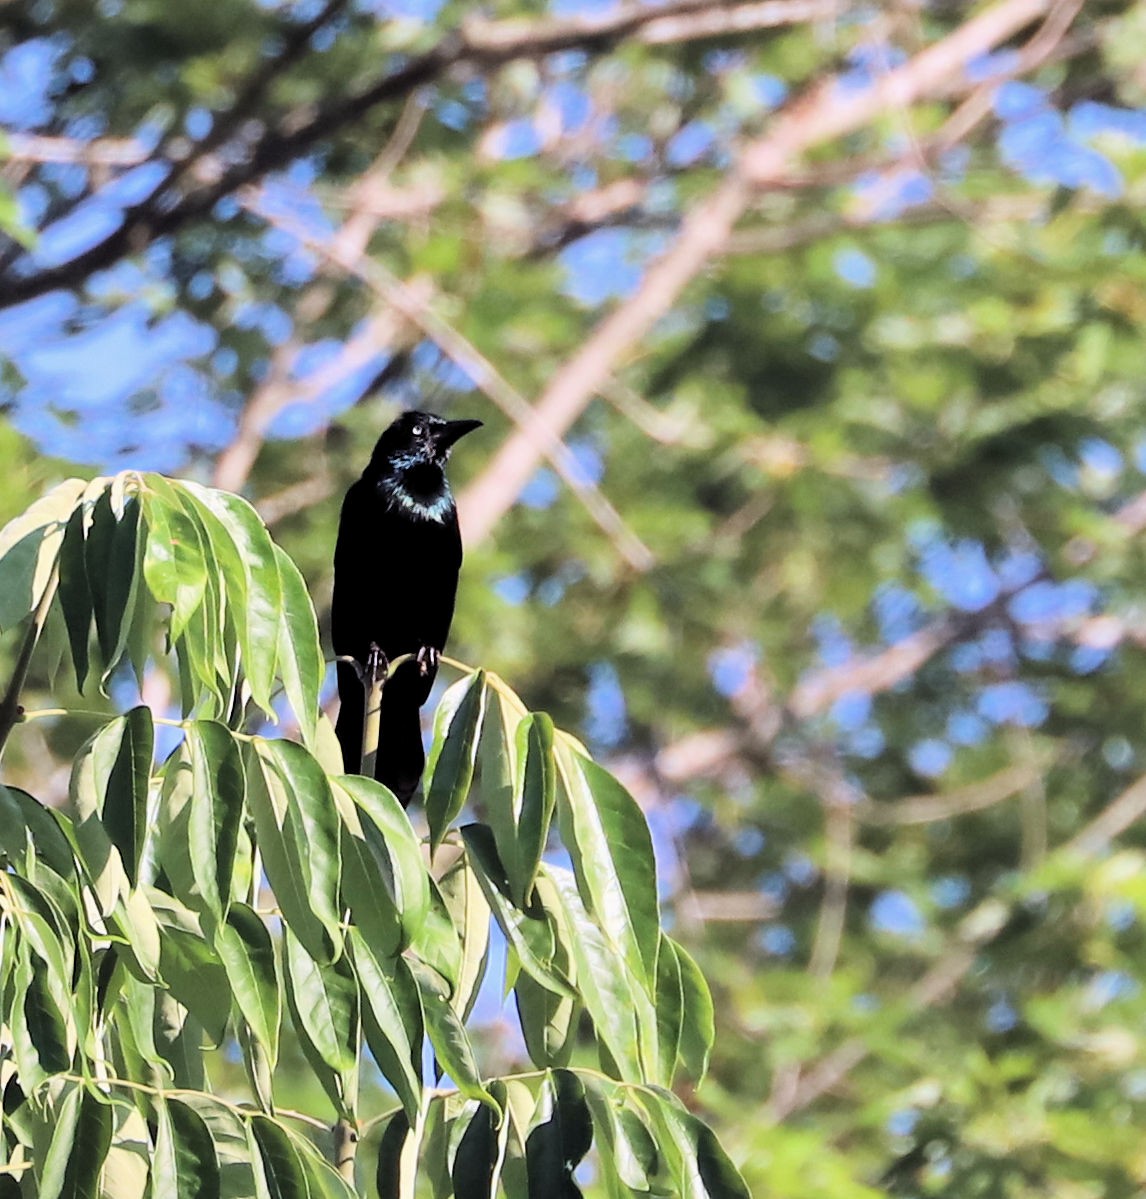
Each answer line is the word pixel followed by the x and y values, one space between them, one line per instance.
pixel 377 664
pixel 428 659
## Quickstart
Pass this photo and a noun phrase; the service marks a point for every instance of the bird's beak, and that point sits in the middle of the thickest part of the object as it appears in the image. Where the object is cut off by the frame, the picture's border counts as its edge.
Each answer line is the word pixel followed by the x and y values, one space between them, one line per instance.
pixel 452 431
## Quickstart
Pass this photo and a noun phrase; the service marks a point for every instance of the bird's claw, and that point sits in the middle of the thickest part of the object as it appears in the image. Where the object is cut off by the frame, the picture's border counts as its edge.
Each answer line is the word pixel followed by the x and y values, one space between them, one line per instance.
pixel 428 658
pixel 377 664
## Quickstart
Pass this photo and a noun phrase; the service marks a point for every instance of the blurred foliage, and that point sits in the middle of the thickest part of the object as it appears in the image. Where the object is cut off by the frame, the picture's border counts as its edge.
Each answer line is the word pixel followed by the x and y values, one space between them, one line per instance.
pixel 904 412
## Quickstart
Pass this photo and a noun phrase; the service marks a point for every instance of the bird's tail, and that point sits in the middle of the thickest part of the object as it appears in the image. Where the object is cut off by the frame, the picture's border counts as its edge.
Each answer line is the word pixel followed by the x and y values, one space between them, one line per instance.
pixel 351 708
pixel 401 758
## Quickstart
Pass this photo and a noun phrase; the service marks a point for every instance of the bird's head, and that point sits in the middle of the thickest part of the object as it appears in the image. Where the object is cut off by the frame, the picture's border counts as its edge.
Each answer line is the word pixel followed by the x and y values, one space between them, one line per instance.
pixel 409 460
pixel 420 437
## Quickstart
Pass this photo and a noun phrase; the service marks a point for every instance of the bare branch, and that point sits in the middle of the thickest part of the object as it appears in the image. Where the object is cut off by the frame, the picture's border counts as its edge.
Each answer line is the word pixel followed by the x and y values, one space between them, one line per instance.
pixel 829 112
pixel 479 368
pixel 479 43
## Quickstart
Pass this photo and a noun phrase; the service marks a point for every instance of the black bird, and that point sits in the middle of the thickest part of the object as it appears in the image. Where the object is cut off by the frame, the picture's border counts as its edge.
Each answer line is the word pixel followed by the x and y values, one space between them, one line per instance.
pixel 396 569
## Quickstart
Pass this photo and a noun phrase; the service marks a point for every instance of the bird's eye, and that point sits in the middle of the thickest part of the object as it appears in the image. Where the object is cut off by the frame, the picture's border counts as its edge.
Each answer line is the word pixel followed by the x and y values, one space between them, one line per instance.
pixel 417 430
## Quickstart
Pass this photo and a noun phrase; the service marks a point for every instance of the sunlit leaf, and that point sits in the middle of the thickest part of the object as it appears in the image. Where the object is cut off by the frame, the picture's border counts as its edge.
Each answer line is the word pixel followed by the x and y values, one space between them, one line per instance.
pixel 216 810
pixel 184 1164
pixel 561 1134
pixel 29 548
pixel 448 1036
pixel 609 842
pixel 392 1019
pixel 298 831
pixel 451 765
pixel 244 947
pixel 530 932
pixel 324 1007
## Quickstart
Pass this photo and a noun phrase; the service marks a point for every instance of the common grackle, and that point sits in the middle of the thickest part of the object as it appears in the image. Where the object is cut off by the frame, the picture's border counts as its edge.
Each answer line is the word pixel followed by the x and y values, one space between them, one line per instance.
pixel 396 567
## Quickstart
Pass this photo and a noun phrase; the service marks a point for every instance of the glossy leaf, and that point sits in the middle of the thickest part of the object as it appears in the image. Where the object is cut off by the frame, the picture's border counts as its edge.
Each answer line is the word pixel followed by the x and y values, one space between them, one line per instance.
pixel 670 1010
pixel 561 1135
pixel 698 1026
pixel 437 943
pixel 174 561
pixel 324 1008
pixel 79 1144
pixel 392 1156
pixel 623 1140
pixel 450 769
pixel 700 1167
pixel 215 814
pixel 260 615
pixel 535 810
pixel 29 548
pixel 448 1036
pixel 244 947
pixel 612 851
pixel 298 830
pixel 185 1164
pixel 384 879
pixel 466 902
pixel 392 1020
pixel 530 933
pixel 283 1175
pixel 610 993
pixel 30 831
pixel 298 653
pixel 75 594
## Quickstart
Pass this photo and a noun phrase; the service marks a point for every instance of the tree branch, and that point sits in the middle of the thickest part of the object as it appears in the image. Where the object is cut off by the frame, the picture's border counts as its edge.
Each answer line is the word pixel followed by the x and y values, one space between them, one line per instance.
pixel 827 113
pixel 479 44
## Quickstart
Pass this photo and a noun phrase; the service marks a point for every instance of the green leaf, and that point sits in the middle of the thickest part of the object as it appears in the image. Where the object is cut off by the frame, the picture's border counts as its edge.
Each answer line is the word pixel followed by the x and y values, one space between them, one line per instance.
pixel 471 915
pixel 530 933
pixel 79 1145
pixel 476 1156
pixel 128 778
pixel 29 548
pixel 384 880
pixel 622 1016
pixel 624 1143
pixel 500 770
pixel 448 1036
pixel 670 1010
pixel 283 1173
pixel 700 1167
pixel 548 1020
pixel 47 935
pixel 113 558
pixel 451 764
pixel 108 792
pixel 245 948
pixel 215 814
pixel 261 596
pixel 561 1135
pixel 46 1039
pixel 298 652
pixel 698 1025
pixel 392 1019
pixel 297 823
pixel 324 1007
pixel 437 943
pixel 174 562
pixel 75 594
pixel 608 839
pixel 191 968
pixel 126 1167
pixel 538 798
pixel 184 1164
pixel 31 832
pixel 392 1157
